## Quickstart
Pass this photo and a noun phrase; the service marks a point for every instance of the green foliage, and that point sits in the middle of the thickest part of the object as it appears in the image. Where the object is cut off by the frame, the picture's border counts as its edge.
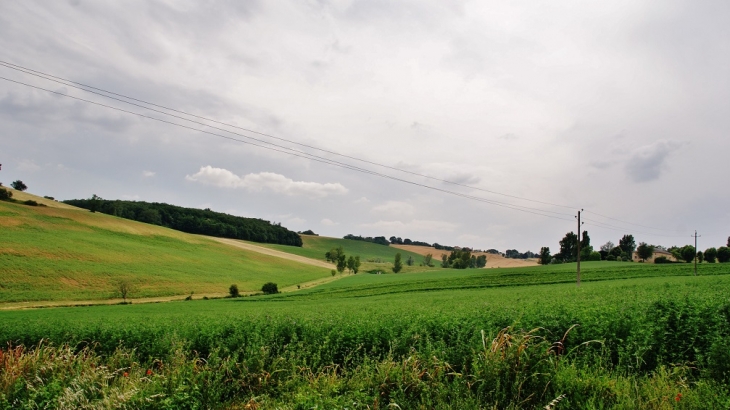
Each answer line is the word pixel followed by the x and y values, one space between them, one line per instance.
pixel 627 244
pixel 380 240
pixel 445 261
pixel 461 259
pixel 190 220
pixel 544 256
pixel 308 232
pixel 334 254
pixel 410 261
pixel 688 253
pixel 710 255
pixel 397 264
pixel 569 247
pixel 645 251
pixel 661 259
pixel 270 288
pixel 341 263
pixel 700 256
pixel 30 202
pixel 611 257
pixel 481 261
pixel 643 335
pixel 5 194
pixel 723 254
pixel 594 256
pixel 233 291
pixel 428 260
pixel 18 185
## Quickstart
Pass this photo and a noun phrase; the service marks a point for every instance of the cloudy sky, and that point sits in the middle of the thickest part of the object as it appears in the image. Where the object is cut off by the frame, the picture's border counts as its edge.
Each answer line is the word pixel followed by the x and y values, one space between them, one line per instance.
pixel 619 108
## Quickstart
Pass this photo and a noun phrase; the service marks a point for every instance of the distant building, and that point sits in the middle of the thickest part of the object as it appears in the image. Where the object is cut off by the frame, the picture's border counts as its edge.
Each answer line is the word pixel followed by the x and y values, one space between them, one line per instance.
pixel 657 253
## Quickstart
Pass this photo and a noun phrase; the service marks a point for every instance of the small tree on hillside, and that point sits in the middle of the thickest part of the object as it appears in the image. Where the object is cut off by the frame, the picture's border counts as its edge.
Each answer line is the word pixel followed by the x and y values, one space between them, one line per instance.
pixel 427 260
pixel 341 263
pixel 351 263
pixel 270 288
pixel 397 265
pixel 5 194
pixel 410 261
pixel 700 256
pixel 124 288
pixel 481 261
pixel 645 251
pixel 710 255
pixel 445 261
pixel 233 291
pixel 356 265
pixel 18 185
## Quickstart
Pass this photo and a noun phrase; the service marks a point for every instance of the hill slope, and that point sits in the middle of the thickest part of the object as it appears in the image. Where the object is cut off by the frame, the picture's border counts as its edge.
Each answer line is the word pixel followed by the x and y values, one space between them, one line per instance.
pixel 58 252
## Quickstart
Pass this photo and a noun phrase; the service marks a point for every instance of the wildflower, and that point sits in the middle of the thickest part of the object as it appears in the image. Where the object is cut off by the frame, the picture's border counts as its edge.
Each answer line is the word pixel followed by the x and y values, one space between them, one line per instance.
pixel 149 372
pixel 125 374
pixel 678 397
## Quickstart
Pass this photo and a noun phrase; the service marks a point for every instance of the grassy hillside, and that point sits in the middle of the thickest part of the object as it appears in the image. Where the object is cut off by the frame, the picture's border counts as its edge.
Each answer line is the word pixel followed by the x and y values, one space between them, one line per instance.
pixel 316 246
pixel 61 253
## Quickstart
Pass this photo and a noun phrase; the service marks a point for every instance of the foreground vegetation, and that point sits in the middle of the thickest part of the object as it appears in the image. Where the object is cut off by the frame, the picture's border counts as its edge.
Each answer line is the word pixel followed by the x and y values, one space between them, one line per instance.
pixel 632 336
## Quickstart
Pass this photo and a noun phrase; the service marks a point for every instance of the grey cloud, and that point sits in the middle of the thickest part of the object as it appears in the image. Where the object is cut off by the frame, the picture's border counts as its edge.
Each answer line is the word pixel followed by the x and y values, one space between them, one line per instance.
pixel 647 163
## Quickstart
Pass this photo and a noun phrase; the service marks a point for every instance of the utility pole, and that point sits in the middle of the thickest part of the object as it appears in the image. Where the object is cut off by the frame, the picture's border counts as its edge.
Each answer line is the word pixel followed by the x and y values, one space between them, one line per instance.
pixel 577 283
pixel 695 236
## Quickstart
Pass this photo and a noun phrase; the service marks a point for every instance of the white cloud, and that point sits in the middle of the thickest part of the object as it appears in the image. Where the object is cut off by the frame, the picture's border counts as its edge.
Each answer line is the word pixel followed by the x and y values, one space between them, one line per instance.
pixel 27 165
pixel 420 225
pixel 328 222
pixel 265 181
pixel 148 174
pixel 394 208
pixel 362 200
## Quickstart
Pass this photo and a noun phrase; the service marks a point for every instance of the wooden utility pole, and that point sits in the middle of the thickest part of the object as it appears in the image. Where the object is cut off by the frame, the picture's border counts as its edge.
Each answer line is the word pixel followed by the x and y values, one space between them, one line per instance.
pixel 695 236
pixel 577 283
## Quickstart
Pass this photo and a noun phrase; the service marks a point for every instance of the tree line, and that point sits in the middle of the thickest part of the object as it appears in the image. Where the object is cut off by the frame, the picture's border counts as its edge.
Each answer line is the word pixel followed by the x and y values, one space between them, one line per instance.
pixel 191 220
pixel 625 250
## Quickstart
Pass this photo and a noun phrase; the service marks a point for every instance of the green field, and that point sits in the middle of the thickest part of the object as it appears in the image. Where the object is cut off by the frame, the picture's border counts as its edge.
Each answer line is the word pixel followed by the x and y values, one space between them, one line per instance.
pixel 646 336
pixel 55 254
pixel 316 246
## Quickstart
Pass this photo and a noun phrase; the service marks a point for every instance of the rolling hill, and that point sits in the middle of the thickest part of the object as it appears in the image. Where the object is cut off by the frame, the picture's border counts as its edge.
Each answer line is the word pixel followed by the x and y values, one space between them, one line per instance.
pixel 58 252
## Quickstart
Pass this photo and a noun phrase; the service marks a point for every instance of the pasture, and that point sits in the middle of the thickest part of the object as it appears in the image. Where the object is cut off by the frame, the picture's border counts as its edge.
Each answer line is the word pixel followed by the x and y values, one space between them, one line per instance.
pixel 64 254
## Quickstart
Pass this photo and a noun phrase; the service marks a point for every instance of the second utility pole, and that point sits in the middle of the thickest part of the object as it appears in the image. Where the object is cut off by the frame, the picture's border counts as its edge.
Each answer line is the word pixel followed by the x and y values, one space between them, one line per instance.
pixel 695 235
pixel 578 280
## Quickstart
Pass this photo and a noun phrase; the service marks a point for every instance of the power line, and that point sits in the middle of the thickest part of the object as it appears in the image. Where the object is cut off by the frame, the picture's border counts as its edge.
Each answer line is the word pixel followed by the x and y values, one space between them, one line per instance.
pixel 622 229
pixel 56 79
pixel 630 223
pixel 304 155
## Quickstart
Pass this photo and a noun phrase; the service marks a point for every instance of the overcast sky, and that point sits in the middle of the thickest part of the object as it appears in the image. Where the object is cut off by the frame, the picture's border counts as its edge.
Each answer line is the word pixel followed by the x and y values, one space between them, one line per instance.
pixel 620 108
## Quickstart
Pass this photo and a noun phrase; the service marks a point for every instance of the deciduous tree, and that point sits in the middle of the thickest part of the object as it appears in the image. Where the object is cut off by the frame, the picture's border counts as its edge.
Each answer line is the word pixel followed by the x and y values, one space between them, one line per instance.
pixel 723 254
pixel 710 255
pixel 627 245
pixel 688 253
pixel 545 255
pixel 397 265
pixel 18 185
pixel 645 251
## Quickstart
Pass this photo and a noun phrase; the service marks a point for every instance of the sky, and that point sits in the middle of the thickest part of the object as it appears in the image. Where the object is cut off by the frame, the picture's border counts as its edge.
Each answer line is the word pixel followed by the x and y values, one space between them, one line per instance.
pixel 617 108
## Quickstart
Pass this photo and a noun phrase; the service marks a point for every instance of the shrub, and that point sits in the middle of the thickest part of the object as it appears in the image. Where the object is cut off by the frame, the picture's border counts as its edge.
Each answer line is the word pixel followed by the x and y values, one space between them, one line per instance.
pixel 661 259
pixel 270 288
pixel 31 202
pixel 594 256
pixel 19 185
pixel 233 291
pixel 611 257
pixel 5 194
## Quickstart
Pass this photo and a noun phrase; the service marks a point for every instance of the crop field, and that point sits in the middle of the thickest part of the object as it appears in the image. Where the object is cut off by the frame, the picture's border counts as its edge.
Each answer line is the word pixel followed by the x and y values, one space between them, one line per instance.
pixel 58 253
pixel 632 336
pixel 316 246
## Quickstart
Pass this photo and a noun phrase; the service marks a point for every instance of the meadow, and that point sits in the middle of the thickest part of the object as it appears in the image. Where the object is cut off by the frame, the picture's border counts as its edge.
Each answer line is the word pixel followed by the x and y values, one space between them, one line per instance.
pixel 58 253
pixel 631 336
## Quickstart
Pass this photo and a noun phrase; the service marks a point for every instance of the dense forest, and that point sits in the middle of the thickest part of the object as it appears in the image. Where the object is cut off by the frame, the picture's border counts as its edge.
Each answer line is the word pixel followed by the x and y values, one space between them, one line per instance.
pixel 190 220
pixel 380 240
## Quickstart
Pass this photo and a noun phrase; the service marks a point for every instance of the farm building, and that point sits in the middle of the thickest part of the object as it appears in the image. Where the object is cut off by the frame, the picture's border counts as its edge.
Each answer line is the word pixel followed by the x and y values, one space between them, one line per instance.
pixel 657 253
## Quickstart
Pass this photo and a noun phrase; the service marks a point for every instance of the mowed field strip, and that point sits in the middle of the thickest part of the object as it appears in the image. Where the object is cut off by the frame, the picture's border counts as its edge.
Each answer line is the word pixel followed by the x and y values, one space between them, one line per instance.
pixel 272 252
